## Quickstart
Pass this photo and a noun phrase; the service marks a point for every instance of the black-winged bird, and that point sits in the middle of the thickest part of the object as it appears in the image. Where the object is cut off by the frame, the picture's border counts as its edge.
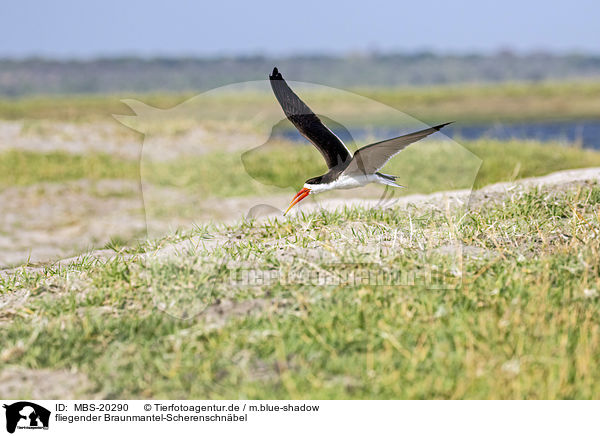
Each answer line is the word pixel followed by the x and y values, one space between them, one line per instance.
pixel 345 170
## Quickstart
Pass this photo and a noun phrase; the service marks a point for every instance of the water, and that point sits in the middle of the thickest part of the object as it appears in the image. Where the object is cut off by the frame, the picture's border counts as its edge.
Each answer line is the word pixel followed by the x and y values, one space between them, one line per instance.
pixel 586 132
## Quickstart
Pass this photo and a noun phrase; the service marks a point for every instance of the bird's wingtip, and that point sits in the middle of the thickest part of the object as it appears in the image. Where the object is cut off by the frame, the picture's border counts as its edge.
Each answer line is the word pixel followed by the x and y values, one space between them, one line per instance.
pixel 441 126
pixel 275 75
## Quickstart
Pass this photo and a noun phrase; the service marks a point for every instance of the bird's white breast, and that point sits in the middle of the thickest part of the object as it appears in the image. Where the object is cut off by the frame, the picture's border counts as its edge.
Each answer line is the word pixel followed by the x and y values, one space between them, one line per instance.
pixel 343 182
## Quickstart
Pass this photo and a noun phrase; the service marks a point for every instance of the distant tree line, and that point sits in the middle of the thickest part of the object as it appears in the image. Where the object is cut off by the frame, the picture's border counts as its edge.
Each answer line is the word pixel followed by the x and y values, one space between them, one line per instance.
pixel 46 76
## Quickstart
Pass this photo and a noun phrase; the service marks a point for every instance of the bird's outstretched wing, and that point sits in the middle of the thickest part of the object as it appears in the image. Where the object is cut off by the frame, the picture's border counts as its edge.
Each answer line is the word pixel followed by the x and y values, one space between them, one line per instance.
pixel 308 124
pixel 373 157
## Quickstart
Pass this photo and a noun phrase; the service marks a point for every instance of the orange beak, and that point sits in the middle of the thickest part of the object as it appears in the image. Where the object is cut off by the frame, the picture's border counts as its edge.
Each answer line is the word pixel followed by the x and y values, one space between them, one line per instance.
pixel 302 194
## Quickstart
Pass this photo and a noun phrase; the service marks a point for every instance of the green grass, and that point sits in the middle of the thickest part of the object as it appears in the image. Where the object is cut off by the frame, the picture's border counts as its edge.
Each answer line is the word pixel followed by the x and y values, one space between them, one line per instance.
pixel 522 323
pixel 22 168
pixel 496 102
pixel 430 166
pixel 514 159
pixel 78 107
pixel 490 102
pixel 218 174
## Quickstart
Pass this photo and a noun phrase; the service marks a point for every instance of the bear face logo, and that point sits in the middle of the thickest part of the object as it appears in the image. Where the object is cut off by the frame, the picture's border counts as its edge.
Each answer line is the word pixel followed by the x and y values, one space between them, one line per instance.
pixel 26 415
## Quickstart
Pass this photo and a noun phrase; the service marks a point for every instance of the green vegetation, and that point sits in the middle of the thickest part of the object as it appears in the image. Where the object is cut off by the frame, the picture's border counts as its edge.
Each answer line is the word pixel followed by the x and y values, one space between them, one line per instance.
pixel 448 165
pixel 510 160
pixel 20 168
pixel 466 103
pixel 77 107
pixel 522 323
pixel 218 174
pixel 496 102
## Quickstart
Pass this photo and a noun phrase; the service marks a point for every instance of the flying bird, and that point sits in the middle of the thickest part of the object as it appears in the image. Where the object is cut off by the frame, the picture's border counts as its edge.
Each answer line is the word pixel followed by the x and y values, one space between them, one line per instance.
pixel 346 171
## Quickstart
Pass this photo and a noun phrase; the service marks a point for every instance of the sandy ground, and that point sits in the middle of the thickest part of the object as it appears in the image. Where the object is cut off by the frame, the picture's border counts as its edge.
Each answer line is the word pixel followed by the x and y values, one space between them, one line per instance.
pixel 46 136
pixel 16 383
pixel 114 138
pixel 48 222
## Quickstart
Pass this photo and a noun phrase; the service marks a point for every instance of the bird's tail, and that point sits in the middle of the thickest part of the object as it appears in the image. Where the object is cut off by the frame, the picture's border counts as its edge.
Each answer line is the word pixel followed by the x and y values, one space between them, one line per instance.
pixel 387 179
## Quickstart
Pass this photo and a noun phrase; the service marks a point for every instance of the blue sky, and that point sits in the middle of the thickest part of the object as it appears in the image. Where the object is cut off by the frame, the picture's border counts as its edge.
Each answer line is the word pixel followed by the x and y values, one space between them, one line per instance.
pixel 66 28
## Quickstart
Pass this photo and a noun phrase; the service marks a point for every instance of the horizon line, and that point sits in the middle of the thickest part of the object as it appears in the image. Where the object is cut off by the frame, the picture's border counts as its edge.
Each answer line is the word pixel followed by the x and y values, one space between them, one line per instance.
pixel 366 53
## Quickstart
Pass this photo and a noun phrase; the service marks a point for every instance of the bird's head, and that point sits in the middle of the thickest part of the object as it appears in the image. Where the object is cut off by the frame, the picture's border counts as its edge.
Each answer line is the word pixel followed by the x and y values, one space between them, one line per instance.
pixel 311 186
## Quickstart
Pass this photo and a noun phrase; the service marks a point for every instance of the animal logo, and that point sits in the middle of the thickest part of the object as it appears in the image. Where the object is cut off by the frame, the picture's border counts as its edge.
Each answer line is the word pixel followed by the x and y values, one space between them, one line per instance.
pixel 219 157
pixel 26 415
